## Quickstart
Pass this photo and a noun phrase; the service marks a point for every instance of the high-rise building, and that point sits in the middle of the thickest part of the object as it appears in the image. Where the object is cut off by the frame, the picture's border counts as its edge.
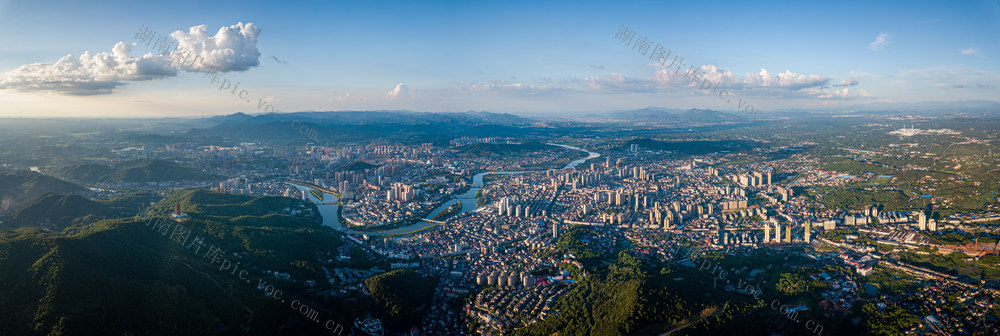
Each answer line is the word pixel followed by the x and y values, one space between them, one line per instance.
pixel 808 232
pixel 767 232
pixel 555 229
pixel 777 232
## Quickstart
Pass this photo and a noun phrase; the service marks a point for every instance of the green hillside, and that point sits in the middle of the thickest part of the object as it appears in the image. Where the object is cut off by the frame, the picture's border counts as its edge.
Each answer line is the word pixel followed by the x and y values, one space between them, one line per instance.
pixel 135 171
pixel 694 147
pixel 397 296
pixel 90 172
pixel 59 211
pixel 18 187
pixel 155 171
pixel 147 283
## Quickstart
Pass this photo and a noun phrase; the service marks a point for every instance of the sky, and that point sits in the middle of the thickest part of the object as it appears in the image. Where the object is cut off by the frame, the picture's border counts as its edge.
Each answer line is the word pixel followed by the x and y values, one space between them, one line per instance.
pixel 82 59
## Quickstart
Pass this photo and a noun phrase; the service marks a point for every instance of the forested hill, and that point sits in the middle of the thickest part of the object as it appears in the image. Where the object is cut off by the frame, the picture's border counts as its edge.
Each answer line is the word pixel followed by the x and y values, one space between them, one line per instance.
pixel 133 171
pixel 147 282
pixel 20 186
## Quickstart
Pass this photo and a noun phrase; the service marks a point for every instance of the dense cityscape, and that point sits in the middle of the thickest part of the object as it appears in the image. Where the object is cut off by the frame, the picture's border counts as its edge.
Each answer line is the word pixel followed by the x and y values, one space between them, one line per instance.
pixel 541 168
pixel 498 236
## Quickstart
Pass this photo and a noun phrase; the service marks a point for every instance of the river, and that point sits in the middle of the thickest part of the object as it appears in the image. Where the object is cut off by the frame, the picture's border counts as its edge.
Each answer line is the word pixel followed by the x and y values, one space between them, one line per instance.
pixel 329 207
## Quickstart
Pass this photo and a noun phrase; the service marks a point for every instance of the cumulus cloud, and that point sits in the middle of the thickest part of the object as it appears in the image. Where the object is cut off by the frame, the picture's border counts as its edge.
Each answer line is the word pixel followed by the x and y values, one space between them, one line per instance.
pixel 763 83
pixel 232 48
pixel 880 42
pixel 784 80
pixel 675 78
pixel 847 82
pixel 616 82
pixel 845 93
pixel 88 75
pixel 399 91
pixel 501 85
pixel 970 52
pixel 661 80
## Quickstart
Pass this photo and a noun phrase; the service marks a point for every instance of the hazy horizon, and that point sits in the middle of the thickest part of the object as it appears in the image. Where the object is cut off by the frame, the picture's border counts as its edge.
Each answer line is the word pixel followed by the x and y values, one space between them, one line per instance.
pixel 92 60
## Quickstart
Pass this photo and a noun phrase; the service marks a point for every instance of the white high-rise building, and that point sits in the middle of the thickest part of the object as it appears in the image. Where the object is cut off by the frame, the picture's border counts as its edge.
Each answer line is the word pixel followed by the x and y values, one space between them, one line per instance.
pixel 777 232
pixel 808 231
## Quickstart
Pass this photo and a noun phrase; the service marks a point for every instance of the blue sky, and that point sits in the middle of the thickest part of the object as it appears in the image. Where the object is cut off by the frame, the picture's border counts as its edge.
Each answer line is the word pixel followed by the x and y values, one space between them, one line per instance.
pixel 520 57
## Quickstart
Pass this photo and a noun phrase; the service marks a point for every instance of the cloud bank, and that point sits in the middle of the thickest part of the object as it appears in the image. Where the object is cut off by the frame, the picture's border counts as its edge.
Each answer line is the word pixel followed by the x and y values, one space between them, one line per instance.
pixel 710 78
pixel 232 48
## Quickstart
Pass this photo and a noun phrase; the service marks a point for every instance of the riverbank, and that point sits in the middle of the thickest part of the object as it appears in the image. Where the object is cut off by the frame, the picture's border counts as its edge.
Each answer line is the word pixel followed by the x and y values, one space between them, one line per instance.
pixel 467 201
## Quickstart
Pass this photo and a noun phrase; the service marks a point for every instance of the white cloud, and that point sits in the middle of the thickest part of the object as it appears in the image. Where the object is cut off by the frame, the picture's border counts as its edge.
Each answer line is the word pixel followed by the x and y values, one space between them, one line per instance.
pixel 715 76
pixel 616 82
pixel 232 48
pixel 880 42
pixel 970 52
pixel 501 86
pixel 88 75
pixel 785 80
pixel 398 91
pixel 845 93
pixel 785 84
pixel 847 82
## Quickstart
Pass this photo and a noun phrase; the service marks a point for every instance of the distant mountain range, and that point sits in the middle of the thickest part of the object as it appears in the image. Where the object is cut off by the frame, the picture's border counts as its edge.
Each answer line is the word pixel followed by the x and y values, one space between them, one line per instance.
pixel 396 117
pixel 348 126
pixel 440 127
pixel 665 115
